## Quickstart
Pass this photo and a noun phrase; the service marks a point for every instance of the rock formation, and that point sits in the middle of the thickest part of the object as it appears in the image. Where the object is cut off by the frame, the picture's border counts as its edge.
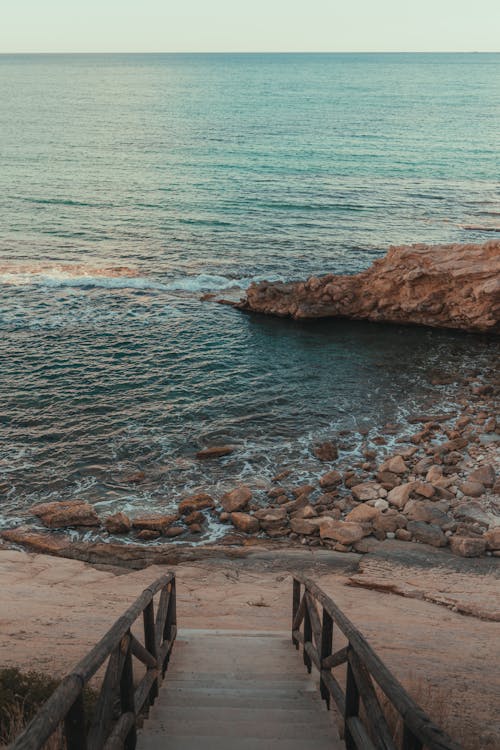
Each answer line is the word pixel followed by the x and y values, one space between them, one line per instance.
pixel 449 286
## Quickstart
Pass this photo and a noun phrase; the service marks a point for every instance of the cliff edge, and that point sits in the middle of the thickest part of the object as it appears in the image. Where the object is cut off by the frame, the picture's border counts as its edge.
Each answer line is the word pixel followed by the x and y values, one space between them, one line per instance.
pixel 447 286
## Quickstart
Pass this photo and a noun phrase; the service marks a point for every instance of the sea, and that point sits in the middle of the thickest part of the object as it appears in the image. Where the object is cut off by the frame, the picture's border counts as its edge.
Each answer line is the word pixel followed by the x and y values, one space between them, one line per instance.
pixel 132 185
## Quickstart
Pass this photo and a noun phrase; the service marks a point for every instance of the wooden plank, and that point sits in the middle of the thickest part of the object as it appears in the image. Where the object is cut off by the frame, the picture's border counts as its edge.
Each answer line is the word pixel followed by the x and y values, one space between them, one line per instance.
pixel 351 706
pixel 142 691
pixel 299 615
pixel 410 742
pixel 312 653
pixel 336 659
pixel 161 616
pixel 307 638
pixel 325 650
pixel 142 653
pixel 335 690
pixel 295 608
pixel 127 699
pixel 358 734
pixel 122 728
pixel 148 617
pixel 414 717
pixel 314 619
pixel 382 736
pixel 103 712
pixel 74 726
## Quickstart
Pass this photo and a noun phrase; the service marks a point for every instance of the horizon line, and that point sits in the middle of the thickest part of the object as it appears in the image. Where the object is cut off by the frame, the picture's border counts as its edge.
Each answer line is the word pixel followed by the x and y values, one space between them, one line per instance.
pixel 257 52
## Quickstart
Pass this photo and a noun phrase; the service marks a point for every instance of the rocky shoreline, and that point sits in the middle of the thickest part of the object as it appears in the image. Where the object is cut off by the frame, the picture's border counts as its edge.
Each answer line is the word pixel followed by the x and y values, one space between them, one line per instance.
pixel 440 487
pixel 447 286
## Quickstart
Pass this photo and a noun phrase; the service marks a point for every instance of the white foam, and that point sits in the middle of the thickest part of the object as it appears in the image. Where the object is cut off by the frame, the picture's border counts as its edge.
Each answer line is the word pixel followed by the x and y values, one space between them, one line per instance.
pixel 205 282
pixel 59 279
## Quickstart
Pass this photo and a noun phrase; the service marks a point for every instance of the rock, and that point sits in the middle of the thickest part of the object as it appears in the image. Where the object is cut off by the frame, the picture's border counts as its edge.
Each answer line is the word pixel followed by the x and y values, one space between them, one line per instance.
pixel 472 489
pixel 153 523
pixel 136 477
pixel 399 496
pixel 403 535
pixel 342 531
pixel 435 472
pixel 451 286
pixel 196 517
pixel 194 503
pixel 492 538
pixel 331 479
pixel 215 451
pixel 271 514
pixel 195 528
pixel 423 510
pixel 366 491
pixel 282 475
pixel 484 474
pixel 276 492
pixel 388 480
pixel 118 523
pixel 472 511
pixel 427 533
pixel 381 504
pixel 389 521
pixel 424 489
pixel 396 465
pixel 424 465
pixel 58 515
pixel 174 531
pixel 305 526
pixel 237 499
pixel 303 491
pixel 327 451
pixel 467 546
pixel 245 522
pixel 363 514
pixel 148 535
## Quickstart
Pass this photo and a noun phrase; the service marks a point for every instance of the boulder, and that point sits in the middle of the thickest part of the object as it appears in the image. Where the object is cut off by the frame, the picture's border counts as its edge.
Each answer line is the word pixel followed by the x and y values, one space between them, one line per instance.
pixel 331 479
pixel 363 514
pixel 154 523
pixel 59 515
pixel 174 531
pixel 472 489
pixel 467 546
pixel 396 465
pixel 326 451
pixel 388 522
pixel 472 512
pixel 484 475
pixel 118 523
pixel 366 491
pixel 136 477
pixel 194 503
pixel 388 480
pixel 424 489
pixel 427 533
pixel 435 472
pixel 245 522
pixel 423 510
pixel 147 535
pixel 400 495
pixel 305 526
pixel 196 517
pixel 492 538
pixel 271 514
pixel 342 531
pixel 215 451
pixel 237 499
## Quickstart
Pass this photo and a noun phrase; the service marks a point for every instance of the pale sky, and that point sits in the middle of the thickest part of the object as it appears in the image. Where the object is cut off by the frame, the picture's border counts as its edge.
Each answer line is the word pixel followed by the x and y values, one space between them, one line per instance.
pixel 248 25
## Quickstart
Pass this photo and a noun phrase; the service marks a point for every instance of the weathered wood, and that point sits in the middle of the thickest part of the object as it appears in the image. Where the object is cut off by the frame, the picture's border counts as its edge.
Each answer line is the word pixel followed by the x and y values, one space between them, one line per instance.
pixel 312 653
pixel 299 615
pixel 336 659
pixel 121 730
pixel 295 608
pixel 417 722
pixel 170 628
pixel 127 698
pixel 104 709
pixel 314 619
pixel 358 734
pixel 161 616
pixel 335 690
pixel 382 736
pixel 148 617
pixel 325 650
pixel 142 653
pixel 166 648
pixel 74 726
pixel 141 696
pixel 410 742
pixel 351 706
pixel 307 637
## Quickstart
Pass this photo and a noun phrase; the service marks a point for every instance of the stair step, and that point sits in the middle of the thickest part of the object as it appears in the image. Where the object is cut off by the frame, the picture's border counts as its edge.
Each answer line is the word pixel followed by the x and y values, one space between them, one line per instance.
pixel 241 699
pixel 231 715
pixel 222 742
pixel 281 729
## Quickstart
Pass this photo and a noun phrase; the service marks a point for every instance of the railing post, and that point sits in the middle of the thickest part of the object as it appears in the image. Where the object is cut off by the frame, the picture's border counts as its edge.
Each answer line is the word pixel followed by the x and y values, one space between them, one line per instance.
pixel 127 700
pixel 351 703
pixel 74 726
pixel 295 608
pixel 170 622
pixel 326 650
pixel 410 742
pixel 307 637
pixel 150 642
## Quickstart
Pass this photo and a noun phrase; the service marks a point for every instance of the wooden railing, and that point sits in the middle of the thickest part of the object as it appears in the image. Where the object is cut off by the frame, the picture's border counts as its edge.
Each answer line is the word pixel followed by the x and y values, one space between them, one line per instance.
pixel 113 722
pixel 365 723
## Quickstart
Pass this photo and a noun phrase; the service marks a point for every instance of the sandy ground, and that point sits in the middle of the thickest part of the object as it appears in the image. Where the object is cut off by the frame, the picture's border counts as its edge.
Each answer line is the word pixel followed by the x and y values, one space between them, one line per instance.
pixel 53 610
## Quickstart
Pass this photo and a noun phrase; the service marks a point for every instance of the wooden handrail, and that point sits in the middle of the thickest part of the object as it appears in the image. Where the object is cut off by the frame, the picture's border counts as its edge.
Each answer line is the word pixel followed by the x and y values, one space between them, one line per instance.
pixel 363 667
pixel 113 724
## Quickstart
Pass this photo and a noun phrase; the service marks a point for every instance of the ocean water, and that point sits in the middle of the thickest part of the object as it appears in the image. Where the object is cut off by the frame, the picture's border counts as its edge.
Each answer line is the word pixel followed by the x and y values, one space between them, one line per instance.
pixel 132 184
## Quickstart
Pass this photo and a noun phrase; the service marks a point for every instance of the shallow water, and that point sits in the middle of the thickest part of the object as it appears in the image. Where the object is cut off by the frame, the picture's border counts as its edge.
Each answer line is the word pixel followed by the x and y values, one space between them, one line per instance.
pixel 131 184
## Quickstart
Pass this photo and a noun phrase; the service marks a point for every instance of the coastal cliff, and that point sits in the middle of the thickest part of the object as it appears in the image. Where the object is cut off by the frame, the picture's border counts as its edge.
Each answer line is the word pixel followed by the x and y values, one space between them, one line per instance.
pixel 448 286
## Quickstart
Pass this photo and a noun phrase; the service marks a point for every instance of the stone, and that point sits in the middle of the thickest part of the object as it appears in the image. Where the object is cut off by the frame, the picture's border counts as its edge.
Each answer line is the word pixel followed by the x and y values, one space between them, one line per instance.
pixel 363 514
pixel 342 531
pixel 194 503
pixel 399 496
pixel 467 546
pixel 424 489
pixel 245 522
pixel 136 477
pixel 271 514
pixel 389 521
pixel 484 474
pixel 305 526
pixel 403 535
pixel 388 479
pixel 195 517
pixel 472 512
pixel 326 451
pixel 118 523
pixel 423 510
pixel 158 523
pixel 427 533
pixel 366 491
pixel 435 472
pixel 303 491
pixel 381 504
pixel 424 465
pixel 147 535
pixel 237 499
pixel 472 489
pixel 67 513
pixel 331 479
pixel 396 465
pixel 174 531
pixel 215 451
pixel 492 538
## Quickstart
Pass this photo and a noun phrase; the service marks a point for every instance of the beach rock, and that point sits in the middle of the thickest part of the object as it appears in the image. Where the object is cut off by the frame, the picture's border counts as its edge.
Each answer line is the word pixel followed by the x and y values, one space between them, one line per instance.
pixel 245 522
pixel 366 491
pixel 485 475
pixel 388 480
pixel 396 465
pixel 390 521
pixel 467 546
pixel 424 489
pixel 435 472
pixel 472 489
pixel 153 523
pixel 215 451
pixel 194 503
pixel 196 517
pixel 342 531
pixel 451 286
pixel 118 523
pixel 305 526
pixel 363 514
pixel 492 538
pixel 400 495
pixel 403 535
pixel 147 535
pixel 58 515
pixel 303 491
pixel 427 533
pixel 174 531
pixel 136 477
pixel 271 514
pixel 326 451
pixel 423 510
pixel 237 499
pixel 331 479
pixel 472 512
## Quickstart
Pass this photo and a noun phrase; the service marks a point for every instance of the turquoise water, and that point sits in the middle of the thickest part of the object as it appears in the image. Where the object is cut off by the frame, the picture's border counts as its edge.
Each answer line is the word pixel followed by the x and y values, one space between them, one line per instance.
pixel 130 184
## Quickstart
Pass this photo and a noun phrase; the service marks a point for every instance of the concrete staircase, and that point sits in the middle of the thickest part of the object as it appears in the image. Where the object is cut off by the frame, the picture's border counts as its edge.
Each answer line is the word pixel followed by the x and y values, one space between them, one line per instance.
pixel 232 690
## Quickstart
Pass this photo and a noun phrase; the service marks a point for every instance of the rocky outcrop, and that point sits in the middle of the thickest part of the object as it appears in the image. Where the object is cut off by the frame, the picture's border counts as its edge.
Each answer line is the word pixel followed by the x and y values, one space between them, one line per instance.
pixel 66 513
pixel 449 286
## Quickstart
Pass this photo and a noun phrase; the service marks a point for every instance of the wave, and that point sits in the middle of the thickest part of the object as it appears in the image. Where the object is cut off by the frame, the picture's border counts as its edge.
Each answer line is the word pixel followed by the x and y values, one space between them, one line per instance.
pixel 480 228
pixel 111 278
pixel 205 282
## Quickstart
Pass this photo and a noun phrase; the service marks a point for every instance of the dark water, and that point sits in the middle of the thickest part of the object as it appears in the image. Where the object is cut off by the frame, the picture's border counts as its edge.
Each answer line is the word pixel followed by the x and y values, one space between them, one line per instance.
pixel 130 184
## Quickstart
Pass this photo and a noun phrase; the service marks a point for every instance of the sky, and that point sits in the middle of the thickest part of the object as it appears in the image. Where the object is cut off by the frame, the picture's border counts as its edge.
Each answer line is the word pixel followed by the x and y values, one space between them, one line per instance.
pixel 249 25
